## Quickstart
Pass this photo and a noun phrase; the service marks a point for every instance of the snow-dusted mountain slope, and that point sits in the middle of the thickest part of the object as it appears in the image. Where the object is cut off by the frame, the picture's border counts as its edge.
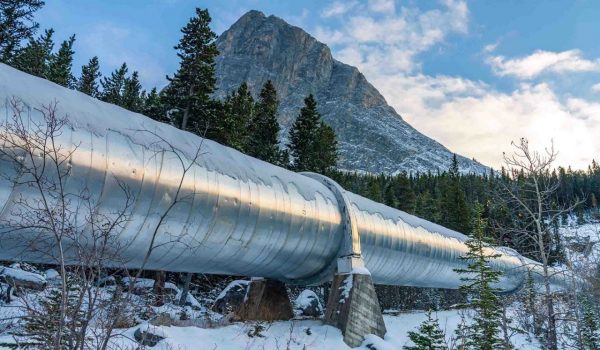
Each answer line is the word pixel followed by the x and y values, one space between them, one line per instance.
pixel 372 136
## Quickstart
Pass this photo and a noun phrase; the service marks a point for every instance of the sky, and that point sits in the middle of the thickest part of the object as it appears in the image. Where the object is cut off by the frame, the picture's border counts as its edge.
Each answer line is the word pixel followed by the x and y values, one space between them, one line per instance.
pixel 473 75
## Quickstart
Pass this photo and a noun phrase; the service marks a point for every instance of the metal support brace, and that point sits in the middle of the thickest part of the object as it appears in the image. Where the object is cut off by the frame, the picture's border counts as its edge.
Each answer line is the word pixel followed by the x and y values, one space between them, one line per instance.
pixel 349 255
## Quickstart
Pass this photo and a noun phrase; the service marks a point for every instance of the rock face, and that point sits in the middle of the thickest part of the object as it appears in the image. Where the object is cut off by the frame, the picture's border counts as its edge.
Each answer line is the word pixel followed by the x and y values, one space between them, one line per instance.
pixel 308 304
pixel 231 297
pixel 371 135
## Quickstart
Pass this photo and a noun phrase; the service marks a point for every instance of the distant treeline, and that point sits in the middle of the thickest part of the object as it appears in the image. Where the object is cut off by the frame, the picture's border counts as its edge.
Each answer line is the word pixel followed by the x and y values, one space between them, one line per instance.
pixel 448 198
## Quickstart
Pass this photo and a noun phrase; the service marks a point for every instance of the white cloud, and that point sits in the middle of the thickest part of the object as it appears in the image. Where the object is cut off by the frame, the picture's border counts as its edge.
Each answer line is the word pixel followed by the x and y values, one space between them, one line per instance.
pixel 540 62
pixel 373 38
pixel 596 87
pixel 469 117
pixel 338 8
pixel 473 119
pixel 490 48
pixel 384 6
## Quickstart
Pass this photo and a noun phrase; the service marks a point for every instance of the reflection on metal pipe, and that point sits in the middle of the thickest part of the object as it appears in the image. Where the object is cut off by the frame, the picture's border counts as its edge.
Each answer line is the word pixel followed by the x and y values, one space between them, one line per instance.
pixel 241 216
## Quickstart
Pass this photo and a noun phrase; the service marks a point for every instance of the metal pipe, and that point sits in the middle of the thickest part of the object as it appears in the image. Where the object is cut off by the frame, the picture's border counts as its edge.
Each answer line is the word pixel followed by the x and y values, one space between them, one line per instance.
pixel 239 215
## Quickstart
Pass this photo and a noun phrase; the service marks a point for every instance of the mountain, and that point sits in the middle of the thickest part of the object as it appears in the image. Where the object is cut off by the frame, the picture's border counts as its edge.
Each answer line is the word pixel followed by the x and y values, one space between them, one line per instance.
pixel 372 137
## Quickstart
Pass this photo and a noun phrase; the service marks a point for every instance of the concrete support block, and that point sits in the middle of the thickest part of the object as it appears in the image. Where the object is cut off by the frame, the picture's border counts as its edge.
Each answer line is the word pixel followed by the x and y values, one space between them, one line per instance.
pixel 266 300
pixel 353 307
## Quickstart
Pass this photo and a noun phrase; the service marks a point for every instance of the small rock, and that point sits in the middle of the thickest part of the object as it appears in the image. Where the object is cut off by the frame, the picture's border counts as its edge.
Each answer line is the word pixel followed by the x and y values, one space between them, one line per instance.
pixel 51 274
pixel 231 297
pixel 25 267
pixel 163 319
pixel 20 279
pixel 147 337
pixel 106 281
pixel 145 285
pixel 307 304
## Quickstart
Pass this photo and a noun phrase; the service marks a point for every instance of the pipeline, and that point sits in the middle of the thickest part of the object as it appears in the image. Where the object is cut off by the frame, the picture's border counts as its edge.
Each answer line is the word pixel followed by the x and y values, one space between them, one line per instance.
pixel 240 216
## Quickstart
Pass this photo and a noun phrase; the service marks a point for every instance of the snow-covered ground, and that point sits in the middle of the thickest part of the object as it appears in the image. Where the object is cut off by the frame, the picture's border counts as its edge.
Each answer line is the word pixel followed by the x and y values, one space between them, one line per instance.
pixel 302 335
pixel 214 333
pixel 298 334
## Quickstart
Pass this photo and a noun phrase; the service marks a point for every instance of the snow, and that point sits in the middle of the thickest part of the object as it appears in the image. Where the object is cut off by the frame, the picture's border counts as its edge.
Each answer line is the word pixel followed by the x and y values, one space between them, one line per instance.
pixel 51 274
pixel 243 284
pixel 360 271
pixel 302 335
pixel 305 299
pixel 147 283
pixel 21 275
pixel 346 287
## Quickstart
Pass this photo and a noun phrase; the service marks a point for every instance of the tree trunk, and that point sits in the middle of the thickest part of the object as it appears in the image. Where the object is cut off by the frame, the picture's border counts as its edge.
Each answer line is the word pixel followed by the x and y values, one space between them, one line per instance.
pixel 552 338
pixel 186 117
pixel 186 111
pixel 186 288
pixel 159 288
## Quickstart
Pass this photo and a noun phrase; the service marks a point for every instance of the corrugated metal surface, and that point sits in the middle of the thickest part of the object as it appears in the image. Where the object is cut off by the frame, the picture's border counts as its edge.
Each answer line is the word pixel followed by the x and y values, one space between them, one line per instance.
pixel 238 215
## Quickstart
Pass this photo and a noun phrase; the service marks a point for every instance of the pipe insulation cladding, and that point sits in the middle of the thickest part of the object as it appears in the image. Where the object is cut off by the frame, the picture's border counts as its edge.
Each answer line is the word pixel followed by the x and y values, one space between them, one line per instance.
pixel 237 215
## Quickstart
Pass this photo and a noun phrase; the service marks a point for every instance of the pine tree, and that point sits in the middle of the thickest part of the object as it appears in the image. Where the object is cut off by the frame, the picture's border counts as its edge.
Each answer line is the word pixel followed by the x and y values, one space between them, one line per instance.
pixel 44 325
pixel 313 146
pixel 478 278
pixel 239 112
pixel 190 88
pixel 456 213
pixel 59 68
pixel 426 207
pixel 429 337
pixel 404 193
pixel 590 328
pixel 264 128
pixel 88 82
pixel 154 107
pixel 36 56
pixel 303 136
pixel 389 196
pixel 112 87
pixel 530 296
pixel 132 93
pixel 326 148
pixel 16 25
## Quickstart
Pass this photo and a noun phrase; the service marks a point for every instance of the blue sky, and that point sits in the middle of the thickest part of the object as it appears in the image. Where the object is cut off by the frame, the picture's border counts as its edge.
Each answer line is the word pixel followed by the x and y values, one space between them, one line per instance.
pixel 473 75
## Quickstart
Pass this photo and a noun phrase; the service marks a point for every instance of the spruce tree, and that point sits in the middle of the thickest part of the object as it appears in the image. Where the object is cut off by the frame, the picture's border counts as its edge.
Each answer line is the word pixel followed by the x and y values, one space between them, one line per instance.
pixel 326 148
pixel 36 56
pixel 88 82
pixel 303 136
pixel 404 193
pixel 154 108
pixel 590 327
pixel 59 69
pixel 429 337
pixel 389 196
pixel 264 128
pixel 132 93
pixel 45 327
pixel 239 108
pixel 478 279
pixel 190 88
pixel 112 87
pixel 427 207
pixel 456 213
pixel 16 25
pixel 313 145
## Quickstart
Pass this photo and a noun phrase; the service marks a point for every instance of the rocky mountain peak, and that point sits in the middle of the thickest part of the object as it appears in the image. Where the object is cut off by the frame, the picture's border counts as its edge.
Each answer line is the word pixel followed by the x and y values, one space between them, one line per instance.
pixel 372 136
